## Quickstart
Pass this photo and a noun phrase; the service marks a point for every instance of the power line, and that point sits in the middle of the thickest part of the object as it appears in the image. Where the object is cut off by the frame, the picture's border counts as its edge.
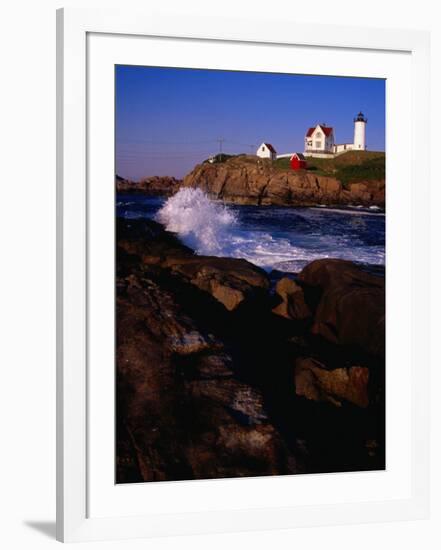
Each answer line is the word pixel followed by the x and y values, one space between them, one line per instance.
pixel 138 154
pixel 123 151
pixel 219 140
pixel 155 141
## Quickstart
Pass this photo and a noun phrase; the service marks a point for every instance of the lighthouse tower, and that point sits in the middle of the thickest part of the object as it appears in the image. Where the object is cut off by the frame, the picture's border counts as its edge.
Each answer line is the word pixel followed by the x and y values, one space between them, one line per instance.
pixel 360 131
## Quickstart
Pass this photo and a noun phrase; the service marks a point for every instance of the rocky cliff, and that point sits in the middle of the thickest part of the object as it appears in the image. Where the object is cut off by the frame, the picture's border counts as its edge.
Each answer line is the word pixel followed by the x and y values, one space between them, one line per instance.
pixel 222 374
pixel 155 185
pixel 248 180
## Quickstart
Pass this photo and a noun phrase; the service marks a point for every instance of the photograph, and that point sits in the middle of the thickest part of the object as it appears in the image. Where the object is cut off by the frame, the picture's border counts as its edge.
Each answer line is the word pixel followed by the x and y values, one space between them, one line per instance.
pixel 250 260
pixel 220 324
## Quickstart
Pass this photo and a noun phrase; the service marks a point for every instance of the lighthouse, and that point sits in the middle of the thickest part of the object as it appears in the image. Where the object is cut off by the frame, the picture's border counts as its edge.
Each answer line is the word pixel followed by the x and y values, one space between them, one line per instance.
pixel 319 140
pixel 360 122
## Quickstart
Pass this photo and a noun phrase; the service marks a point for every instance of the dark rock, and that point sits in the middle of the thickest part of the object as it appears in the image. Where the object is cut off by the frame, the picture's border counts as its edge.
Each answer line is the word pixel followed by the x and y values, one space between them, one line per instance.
pixel 228 280
pixel 293 305
pixel 351 305
pixel 315 382
pixel 183 413
pixel 205 365
pixel 155 185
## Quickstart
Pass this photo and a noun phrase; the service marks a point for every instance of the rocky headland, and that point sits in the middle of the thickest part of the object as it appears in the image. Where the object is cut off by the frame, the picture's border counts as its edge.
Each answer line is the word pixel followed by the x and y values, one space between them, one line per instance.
pixel 249 180
pixel 225 371
pixel 351 179
pixel 154 185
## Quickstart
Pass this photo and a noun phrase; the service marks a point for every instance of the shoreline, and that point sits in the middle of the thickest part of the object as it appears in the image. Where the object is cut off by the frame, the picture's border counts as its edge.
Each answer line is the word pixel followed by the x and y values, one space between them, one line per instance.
pixel 239 239
pixel 344 208
pixel 249 180
pixel 273 273
pixel 249 378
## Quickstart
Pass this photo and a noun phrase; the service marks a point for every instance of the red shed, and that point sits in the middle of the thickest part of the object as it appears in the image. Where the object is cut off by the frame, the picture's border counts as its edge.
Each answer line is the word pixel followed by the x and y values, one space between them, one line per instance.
pixel 298 161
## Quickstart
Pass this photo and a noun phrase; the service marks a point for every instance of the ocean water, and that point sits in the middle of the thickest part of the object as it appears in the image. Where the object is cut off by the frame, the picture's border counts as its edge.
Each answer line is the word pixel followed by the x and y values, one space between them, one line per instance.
pixel 274 238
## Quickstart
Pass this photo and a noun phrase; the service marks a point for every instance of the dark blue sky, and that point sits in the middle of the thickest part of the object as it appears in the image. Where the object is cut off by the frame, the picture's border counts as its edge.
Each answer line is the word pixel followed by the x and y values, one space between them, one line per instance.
pixel 168 120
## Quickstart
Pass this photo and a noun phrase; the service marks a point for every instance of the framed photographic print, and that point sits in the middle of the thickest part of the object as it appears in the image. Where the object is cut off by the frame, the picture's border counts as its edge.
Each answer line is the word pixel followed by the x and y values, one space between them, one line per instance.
pixel 242 275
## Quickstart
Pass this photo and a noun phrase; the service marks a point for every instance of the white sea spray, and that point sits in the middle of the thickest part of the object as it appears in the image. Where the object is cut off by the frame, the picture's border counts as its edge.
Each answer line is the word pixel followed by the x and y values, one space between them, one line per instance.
pixel 202 224
pixel 211 228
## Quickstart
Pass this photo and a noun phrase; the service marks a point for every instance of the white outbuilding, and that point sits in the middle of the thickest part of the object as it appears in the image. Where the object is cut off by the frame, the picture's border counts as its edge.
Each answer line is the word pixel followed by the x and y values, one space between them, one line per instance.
pixel 266 151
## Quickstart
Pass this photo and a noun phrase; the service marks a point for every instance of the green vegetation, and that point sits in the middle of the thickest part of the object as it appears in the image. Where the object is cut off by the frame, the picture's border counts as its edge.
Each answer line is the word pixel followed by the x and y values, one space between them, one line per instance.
pixel 350 167
pixel 372 169
pixel 282 164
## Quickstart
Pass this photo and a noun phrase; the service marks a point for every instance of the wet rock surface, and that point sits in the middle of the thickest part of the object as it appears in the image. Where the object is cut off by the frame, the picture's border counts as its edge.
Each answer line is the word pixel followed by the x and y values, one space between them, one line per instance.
pixel 314 381
pixel 293 305
pixel 221 375
pixel 351 310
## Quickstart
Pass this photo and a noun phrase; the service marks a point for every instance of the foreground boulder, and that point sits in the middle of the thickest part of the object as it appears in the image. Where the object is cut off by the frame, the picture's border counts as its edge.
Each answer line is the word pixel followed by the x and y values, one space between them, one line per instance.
pixel 293 305
pixel 231 281
pixel 314 381
pixel 349 305
pixel 183 412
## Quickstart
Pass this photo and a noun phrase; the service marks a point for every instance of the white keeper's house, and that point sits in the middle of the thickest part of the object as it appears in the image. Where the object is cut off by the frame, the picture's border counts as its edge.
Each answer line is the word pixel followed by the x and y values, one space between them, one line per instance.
pixel 266 151
pixel 320 141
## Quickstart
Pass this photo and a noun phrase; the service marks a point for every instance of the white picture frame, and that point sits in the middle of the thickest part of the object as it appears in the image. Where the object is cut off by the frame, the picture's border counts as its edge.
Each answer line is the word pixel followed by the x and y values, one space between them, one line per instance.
pixel 75 400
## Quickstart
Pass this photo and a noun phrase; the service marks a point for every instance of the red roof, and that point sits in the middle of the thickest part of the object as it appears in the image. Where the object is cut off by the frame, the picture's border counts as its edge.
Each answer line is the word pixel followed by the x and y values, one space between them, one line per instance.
pixel 327 130
pixel 270 147
pixel 300 156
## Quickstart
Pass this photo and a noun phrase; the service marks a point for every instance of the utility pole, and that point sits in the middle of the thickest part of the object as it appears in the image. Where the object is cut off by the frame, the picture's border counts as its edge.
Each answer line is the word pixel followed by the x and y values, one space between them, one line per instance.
pixel 252 149
pixel 220 141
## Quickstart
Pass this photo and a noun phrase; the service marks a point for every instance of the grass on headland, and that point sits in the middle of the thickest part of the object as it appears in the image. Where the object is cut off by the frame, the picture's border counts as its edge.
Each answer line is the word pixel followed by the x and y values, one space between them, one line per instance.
pixel 350 167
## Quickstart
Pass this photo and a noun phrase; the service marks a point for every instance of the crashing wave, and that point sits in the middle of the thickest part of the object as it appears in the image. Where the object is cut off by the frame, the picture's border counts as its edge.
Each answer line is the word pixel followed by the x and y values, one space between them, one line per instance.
pixel 211 228
pixel 203 224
